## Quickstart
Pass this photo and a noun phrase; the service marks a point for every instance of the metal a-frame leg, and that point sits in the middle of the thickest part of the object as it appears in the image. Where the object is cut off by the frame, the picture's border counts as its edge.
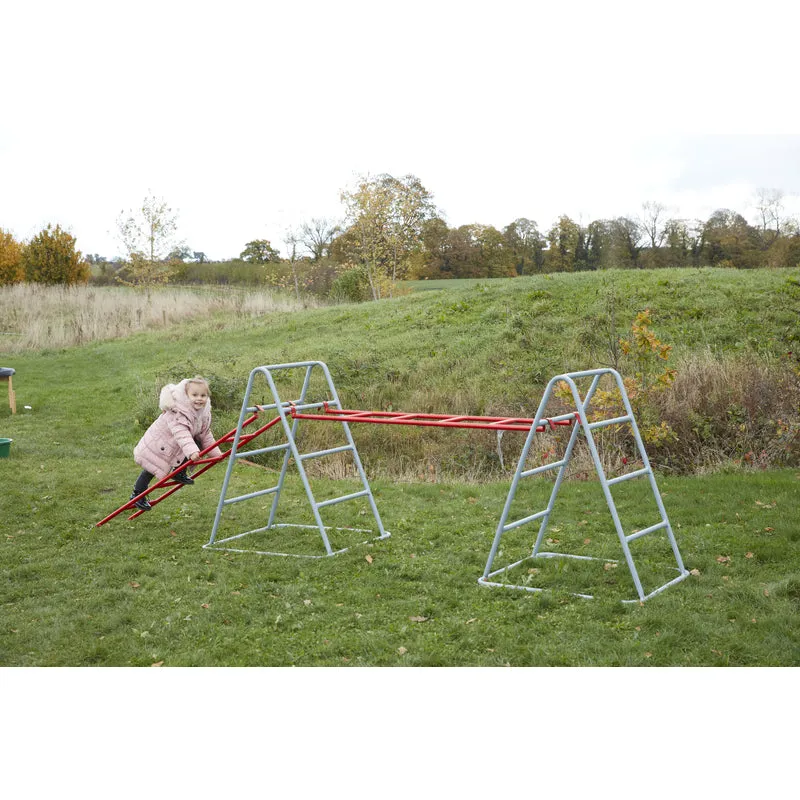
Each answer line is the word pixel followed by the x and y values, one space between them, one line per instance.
pixel 586 427
pixel 291 452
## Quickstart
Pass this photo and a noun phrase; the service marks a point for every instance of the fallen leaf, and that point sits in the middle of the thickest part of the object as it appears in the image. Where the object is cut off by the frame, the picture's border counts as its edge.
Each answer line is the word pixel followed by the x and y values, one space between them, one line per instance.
pixel 748 555
pixel 157 664
pixel 306 602
pixel 368 559
pixel 766 592
pixel 402 651
pixel 726 577
pixel 418 619
pixel 205 605
pixel 723 559
pixel 769 530
pixel 474 619
pixel 582 522
pixel 533 570
pixel 694 571
pixel 133 585
pixel 608 565
pixel 648 655
pixel 716 652
pixel 587 541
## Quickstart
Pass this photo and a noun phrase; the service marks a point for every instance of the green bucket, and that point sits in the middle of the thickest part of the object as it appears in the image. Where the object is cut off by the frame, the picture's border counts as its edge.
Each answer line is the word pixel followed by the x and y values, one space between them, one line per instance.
pixel 5 447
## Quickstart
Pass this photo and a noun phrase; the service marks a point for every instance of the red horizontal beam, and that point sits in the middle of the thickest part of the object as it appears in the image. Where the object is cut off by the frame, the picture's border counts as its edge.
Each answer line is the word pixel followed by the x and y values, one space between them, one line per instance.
pixel 431 420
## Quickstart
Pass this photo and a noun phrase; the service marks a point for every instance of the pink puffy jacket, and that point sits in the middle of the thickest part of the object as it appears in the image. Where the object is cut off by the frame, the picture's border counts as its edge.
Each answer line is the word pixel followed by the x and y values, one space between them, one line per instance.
pixel 171 438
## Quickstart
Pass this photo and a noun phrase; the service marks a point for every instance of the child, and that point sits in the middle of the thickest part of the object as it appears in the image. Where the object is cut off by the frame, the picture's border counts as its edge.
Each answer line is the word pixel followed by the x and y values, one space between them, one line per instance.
pixel 177 436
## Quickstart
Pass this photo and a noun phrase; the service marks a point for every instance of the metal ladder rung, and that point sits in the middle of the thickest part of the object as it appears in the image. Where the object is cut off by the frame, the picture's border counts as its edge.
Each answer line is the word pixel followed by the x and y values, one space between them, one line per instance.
pixel 343 449
pixel 341 499
pixel 615 421
pixel 519 522
pixel 250 453
pixel 628 475
pixel 241 497
pixel 637 534
pixel 543 468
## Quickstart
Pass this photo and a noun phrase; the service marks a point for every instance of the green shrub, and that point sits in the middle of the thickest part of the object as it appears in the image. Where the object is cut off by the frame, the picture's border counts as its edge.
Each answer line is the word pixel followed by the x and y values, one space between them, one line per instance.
pixel 50 257
pixel 350 287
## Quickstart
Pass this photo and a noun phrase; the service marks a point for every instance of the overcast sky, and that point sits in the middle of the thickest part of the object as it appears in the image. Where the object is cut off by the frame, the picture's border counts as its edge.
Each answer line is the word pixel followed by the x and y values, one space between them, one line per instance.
pixel 249 118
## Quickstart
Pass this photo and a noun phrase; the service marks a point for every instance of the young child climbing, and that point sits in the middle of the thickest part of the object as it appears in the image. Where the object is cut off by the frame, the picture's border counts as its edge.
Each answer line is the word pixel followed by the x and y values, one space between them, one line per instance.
pixel 177 436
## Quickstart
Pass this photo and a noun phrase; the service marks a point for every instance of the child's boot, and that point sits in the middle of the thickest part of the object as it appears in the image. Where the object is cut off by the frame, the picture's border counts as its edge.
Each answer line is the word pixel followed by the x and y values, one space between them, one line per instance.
pixel 142 503
pixel 183 478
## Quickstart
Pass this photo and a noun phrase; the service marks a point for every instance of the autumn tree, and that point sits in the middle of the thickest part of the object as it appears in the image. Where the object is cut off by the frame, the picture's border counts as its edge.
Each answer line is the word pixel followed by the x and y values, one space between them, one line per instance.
pixel 385 217
pixel 627 240
pixel 11 267
pixel 259 251
pixel 148 235
pixel 526 244
pixel 50 257
pixel 564 239
pixel 729 240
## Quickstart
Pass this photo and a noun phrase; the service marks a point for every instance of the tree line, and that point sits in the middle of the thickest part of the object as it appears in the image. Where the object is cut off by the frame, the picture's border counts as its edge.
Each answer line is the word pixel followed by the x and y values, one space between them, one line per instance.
pixel 392 231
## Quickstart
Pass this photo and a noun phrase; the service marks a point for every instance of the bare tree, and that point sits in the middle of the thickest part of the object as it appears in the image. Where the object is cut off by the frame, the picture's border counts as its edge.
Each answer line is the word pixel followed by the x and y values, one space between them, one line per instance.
pixel 653 223
pixel 769 204
pixel 291 240
pixel 316 236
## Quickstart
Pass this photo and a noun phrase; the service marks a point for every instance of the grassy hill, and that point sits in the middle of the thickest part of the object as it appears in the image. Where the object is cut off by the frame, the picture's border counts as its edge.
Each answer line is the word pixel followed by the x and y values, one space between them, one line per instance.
pixel 139 592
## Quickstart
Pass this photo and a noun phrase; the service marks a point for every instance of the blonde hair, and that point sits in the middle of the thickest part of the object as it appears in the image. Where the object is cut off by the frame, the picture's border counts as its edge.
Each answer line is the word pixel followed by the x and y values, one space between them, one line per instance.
pixel 199 379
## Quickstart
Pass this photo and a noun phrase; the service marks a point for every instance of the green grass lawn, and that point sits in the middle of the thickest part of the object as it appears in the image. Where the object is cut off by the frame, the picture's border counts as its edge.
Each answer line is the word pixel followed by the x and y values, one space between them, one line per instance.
pixel 146 592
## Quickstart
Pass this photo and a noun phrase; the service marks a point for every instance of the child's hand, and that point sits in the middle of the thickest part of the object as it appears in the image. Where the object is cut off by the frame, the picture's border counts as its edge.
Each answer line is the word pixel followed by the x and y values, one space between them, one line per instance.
pixel 194 456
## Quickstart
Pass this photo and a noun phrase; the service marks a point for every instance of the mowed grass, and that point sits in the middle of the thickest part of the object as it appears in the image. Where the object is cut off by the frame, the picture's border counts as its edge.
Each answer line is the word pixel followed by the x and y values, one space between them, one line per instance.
pixel 147 592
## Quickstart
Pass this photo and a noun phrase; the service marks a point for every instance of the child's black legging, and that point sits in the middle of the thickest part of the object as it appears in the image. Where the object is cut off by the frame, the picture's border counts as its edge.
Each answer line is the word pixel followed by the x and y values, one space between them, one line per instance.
pixel 143 481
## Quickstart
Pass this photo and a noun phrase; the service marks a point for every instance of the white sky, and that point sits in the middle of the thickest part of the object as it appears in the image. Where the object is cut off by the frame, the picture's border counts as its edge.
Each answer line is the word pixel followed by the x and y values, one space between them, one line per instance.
pixel 250 117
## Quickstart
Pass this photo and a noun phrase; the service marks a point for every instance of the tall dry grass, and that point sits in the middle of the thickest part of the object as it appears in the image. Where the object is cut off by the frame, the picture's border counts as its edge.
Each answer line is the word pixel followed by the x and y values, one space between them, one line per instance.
pixel 34 317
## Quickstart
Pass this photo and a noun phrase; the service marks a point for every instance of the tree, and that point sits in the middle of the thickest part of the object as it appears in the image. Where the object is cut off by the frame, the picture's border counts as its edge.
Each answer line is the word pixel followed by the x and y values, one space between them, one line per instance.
pixel 11 267
pixel 523 239
pixel 769 204
pixel 51 257
pixel 653 225
pixel 291 240
pixel 728 239
pixel 682 243
pixel 386 218
pixel 148 235
pixel 259 251
pixel 564 238
pixel 627 238
pixel 316 236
